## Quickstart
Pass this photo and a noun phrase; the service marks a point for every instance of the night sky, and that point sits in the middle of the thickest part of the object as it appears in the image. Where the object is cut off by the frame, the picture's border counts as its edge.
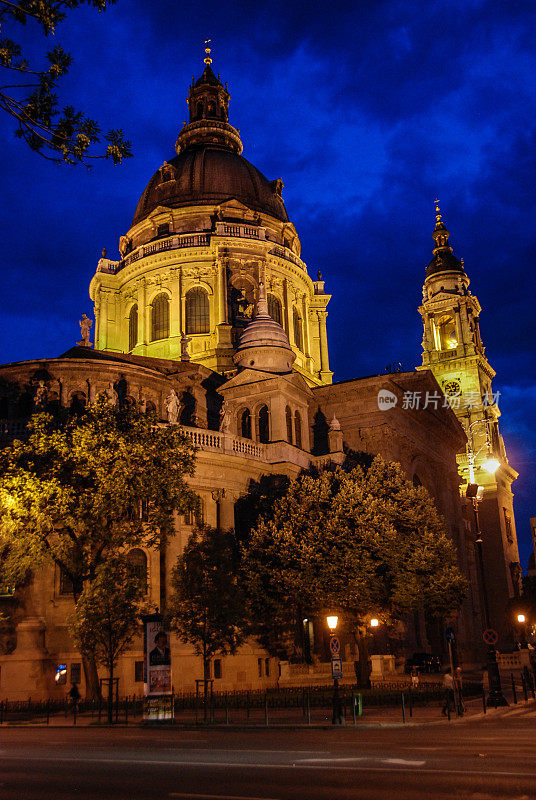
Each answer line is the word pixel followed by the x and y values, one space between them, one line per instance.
pixel 368 111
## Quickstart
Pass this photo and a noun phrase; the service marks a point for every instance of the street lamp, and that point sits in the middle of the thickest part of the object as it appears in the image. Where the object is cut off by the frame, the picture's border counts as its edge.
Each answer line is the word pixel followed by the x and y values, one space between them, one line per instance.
pixel 334 647
pixel 374 623
pixel 521 620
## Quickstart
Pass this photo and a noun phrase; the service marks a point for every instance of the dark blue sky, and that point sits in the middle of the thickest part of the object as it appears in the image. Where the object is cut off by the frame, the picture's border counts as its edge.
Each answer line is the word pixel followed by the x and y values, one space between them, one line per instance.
pixel 368 111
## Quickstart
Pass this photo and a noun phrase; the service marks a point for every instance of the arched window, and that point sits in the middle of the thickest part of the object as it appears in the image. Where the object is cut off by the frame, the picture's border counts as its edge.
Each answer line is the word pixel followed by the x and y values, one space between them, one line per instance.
pixel 417 481
pixel 138 561
pixel 197 311
pixel 160 317
pixel 445 333
pixel 264 425
pixel 274 308
pixel 133 327
pixel 298 330
pixel 245 424
pixel 288 417
pixel 297 430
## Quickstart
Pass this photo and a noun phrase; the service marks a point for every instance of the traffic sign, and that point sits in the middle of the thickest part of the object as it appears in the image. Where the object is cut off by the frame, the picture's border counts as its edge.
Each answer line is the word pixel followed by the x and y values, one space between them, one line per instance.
pixel 450 634
pixel 336 668
pixel 490 636
pixel 334 646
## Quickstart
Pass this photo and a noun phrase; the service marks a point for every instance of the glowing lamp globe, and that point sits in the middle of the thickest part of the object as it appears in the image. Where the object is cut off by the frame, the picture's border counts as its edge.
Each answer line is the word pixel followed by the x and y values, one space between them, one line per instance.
pixel 332 622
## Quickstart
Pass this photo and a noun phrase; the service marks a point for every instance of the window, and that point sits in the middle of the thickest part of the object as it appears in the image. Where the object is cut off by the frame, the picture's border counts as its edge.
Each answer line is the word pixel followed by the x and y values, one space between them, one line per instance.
pixel 259 666
pixel 66 584
pixel 163 230
pixel 138 561
pixel 264 425
pixel 288 417
pixel 245 424
pixel 133 327
pixel 297 430
pixel 160 317
pixel 274 308
pixel 217 667
pixel 298 330
pixel 267 667
pixel 138 672
pixel 76 672
pixel 197 311
pixel 417 481
pixel 445 333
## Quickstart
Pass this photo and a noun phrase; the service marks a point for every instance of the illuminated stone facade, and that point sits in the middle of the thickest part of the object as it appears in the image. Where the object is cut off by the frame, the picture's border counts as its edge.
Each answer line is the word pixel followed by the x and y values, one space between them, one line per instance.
pixel 210 299
pixel 454 352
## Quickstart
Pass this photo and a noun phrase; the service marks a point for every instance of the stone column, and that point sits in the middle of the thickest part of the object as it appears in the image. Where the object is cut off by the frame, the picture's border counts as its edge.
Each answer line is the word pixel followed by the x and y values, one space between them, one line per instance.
pixel 322 330
pixel 142 314
pixel 175 308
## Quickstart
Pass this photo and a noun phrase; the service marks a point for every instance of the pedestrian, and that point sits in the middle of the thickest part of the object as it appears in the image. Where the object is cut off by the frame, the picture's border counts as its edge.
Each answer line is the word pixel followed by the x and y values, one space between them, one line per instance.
pixel 458 685
pixel 448 686
pixel 414 678
pixel 74 697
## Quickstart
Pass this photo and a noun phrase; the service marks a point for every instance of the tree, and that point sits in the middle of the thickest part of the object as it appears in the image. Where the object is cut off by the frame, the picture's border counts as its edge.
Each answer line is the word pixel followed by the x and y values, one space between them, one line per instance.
pixel 107 616
pixel 207 607
pixel 30 97
pixel 84 487
pixel 363 542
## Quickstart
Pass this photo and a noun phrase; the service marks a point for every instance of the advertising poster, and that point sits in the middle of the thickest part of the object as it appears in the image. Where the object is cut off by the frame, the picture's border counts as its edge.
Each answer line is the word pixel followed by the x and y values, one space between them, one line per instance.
pixel 158 685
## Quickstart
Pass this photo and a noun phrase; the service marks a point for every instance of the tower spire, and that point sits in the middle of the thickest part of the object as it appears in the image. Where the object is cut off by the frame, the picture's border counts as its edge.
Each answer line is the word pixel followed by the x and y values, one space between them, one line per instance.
pixel 444 259
pixel 208 60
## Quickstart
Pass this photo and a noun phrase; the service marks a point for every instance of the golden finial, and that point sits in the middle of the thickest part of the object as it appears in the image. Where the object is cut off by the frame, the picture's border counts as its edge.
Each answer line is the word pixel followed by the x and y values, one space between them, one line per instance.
pixel 438 212
pixel 208 59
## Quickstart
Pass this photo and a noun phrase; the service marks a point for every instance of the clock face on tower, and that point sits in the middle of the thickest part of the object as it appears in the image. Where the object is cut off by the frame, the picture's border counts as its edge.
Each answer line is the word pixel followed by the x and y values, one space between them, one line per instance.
pixel 451 388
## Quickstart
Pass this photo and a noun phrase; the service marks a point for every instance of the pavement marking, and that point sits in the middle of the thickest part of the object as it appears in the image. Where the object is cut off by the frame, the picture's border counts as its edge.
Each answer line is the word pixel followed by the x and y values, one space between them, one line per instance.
pixel 402 762
pixel 246 765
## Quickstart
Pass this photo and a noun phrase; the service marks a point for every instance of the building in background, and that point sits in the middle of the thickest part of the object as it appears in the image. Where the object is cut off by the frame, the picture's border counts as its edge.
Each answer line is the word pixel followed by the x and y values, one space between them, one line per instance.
pixel 210 298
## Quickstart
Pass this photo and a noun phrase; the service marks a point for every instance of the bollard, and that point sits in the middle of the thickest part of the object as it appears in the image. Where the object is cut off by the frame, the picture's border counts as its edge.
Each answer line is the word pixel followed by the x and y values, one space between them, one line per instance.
pixel 514 688
pixel 353 708
pixel 484 699
pixel 48 712
pixel 308 709
pixel 410 701
pixel 403 710
pixel 360 704
pixel 266 709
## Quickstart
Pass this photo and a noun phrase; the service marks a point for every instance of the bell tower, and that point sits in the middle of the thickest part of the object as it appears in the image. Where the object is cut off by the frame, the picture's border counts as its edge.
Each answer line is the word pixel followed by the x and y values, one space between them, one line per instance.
pixel 453 350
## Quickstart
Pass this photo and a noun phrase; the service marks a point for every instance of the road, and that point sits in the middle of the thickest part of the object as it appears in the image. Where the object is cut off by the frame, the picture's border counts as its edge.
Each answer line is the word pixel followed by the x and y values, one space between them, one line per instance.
pixel 494 757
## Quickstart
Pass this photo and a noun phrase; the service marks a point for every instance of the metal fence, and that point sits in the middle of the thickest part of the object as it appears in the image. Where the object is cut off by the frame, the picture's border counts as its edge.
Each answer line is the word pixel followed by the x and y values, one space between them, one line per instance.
pixel 314 705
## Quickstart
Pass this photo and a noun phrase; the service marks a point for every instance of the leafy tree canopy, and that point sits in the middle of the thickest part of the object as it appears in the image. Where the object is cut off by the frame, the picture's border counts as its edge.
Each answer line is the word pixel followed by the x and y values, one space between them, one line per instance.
pixel 365 543
pixel 82 487
pixel 29 92
pixel 207 607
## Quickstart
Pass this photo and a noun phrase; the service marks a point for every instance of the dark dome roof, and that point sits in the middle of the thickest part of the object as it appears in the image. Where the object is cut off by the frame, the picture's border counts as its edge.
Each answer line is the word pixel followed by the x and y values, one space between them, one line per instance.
pixel 444 261
pixel 205 175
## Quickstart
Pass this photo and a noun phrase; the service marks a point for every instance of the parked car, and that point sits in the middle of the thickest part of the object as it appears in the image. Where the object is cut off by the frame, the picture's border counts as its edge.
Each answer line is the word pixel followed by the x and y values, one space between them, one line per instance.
pixel 425 662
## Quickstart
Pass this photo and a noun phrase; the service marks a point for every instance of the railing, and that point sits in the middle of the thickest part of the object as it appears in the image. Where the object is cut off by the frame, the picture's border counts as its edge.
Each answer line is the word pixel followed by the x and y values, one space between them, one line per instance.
pixel 284 252
pixel 219 441
pixel 172 243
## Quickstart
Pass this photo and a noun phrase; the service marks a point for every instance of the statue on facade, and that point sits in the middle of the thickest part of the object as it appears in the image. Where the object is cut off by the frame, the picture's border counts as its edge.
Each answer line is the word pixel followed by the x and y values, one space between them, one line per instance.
pixel 142 403
pixel 85 327
pixel 173 407
pixel 40 397
pixel 185 340
pixel 111 395
pixel 225 417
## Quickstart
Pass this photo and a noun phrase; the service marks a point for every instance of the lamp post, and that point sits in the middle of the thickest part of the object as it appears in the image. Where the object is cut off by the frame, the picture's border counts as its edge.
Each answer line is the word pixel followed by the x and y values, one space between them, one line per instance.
pixel 334 647
pixel 475 493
